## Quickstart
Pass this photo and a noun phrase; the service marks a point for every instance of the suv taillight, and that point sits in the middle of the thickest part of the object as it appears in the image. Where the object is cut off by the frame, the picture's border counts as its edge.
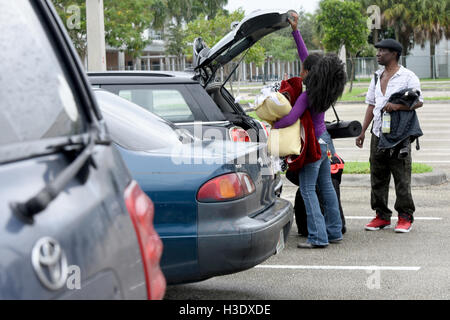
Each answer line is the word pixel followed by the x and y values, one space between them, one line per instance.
pixel 238 134
pixel 230 186
pixel 266 131
pixel 264 126
pixel 141 209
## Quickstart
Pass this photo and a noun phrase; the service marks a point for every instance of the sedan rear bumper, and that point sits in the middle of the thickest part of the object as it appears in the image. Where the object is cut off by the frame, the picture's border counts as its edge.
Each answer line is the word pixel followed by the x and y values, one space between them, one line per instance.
pixel 228 246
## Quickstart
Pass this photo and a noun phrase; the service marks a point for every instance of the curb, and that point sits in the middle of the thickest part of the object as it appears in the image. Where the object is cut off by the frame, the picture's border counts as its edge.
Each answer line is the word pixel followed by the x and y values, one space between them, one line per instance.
pixel 363 180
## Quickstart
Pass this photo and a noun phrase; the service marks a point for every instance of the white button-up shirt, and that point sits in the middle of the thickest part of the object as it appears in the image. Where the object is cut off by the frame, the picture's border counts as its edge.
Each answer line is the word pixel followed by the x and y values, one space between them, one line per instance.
pixel 403 79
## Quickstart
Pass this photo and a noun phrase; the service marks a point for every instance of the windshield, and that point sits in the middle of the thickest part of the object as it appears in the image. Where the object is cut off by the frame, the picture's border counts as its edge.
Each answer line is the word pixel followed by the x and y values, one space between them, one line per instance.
pixel 135 128
pixel 36 100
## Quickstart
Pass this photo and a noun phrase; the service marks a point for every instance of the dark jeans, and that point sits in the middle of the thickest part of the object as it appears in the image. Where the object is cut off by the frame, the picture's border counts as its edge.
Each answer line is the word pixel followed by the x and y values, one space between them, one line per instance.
pixel 382 165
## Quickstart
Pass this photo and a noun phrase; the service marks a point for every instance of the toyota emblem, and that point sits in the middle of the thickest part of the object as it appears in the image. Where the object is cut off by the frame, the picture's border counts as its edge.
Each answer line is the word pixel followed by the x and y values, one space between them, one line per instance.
pixel 50 263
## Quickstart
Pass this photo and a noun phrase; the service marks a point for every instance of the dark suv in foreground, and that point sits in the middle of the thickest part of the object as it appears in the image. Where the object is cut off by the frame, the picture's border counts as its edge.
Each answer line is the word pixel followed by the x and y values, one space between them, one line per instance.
pixel 74 225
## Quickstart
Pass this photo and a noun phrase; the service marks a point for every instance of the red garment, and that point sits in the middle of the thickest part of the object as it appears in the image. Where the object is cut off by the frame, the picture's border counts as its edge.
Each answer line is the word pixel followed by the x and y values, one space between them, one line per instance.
pixel 293 86
pixel 310 151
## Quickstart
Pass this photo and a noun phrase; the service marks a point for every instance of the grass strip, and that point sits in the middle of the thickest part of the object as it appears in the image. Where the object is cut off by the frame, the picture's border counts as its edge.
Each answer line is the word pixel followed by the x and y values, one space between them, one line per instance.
pixel 364 168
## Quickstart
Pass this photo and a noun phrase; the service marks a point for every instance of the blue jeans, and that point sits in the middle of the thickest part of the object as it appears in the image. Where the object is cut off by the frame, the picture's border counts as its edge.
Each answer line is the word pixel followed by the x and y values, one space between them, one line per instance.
pixel 326 226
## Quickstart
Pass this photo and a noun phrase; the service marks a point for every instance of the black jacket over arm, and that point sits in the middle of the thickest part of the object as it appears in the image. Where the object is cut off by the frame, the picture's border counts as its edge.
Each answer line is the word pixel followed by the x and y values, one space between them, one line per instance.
pixel 405 127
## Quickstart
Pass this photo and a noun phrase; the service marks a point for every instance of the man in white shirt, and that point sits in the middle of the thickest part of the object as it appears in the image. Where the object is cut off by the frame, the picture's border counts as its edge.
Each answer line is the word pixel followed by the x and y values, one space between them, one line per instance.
pixel 387 81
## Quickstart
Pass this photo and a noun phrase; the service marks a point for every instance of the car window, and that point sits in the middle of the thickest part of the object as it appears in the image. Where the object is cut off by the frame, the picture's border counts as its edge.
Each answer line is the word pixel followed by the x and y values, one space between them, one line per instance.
pixel 134 128
pixel 36 100
pixel 166 103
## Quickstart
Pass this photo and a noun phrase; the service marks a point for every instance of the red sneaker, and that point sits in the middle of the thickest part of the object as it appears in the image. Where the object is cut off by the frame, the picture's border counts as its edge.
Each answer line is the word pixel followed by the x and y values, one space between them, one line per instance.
pixel 377 224
pixel 403 225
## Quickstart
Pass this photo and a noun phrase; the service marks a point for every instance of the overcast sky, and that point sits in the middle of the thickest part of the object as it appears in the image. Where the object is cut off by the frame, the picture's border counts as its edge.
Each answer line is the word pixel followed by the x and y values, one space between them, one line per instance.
pixel 251 5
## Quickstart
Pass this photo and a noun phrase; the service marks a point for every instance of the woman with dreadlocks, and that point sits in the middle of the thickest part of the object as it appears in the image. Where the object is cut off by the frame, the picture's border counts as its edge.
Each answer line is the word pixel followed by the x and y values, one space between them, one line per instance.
pixel 324 78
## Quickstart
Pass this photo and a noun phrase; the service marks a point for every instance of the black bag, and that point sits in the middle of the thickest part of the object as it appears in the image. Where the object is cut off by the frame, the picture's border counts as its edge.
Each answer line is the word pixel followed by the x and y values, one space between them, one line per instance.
pixel 344 129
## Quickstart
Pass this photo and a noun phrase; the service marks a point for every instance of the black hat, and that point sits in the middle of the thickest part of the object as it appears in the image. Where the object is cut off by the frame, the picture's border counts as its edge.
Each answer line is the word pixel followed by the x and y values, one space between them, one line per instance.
pixel 390 44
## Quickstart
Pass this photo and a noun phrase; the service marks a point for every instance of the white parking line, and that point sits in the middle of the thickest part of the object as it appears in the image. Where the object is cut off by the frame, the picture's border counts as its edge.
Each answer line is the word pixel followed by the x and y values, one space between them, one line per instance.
pixel 370 268
pixel 393 218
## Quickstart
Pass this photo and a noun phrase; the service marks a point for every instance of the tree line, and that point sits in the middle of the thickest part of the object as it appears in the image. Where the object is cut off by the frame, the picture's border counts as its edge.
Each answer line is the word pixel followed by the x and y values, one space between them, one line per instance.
pixel 334 24
pixel 127 20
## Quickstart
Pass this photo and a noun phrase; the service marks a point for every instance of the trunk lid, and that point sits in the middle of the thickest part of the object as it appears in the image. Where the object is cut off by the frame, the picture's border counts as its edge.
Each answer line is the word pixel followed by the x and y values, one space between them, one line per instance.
pixel 244 35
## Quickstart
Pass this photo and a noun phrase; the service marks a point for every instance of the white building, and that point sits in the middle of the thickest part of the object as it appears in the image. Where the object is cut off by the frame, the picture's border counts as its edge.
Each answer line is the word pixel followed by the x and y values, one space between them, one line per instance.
pixel 420 61
pixel 153 57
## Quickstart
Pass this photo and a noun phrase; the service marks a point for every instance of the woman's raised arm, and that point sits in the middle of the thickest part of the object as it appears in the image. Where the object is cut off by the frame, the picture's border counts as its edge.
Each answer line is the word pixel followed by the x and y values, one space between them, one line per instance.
pixel 301 47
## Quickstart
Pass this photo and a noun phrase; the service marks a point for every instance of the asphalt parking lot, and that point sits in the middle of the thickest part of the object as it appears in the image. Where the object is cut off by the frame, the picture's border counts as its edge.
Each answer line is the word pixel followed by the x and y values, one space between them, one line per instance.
pixel 366 265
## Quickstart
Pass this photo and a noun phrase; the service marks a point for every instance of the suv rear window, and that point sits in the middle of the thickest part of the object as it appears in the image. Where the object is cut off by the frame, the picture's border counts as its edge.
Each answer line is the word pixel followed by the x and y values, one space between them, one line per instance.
pixel 136 129
pixel 169 104
pixel 36 100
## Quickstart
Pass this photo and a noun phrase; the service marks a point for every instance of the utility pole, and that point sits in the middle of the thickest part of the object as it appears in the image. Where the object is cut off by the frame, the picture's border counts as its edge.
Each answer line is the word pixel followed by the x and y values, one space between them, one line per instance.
pixel 343 54
pixel 95 25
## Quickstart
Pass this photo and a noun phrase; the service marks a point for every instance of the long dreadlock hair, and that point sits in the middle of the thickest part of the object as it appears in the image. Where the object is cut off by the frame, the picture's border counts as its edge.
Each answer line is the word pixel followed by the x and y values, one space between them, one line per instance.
pixel 325 82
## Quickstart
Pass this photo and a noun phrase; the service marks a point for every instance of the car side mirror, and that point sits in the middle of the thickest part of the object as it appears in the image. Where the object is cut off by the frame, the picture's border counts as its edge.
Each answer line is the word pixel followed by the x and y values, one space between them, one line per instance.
pixel 234 24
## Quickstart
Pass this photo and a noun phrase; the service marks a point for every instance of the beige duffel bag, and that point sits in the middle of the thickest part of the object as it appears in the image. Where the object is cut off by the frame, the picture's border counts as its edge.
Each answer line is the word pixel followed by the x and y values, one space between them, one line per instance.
pixel 285 141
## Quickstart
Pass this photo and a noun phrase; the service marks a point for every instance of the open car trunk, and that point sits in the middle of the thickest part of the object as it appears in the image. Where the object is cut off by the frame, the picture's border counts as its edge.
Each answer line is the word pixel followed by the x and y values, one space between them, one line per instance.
pixel 207 61
pixel 232 110
pixel 244 35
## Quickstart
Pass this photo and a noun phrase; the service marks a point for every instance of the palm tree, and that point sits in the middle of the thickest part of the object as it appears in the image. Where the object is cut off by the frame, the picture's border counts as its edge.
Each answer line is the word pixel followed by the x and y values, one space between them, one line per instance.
pixel 395 14
pixel 212 7
pixel 398 14
pixel 431 22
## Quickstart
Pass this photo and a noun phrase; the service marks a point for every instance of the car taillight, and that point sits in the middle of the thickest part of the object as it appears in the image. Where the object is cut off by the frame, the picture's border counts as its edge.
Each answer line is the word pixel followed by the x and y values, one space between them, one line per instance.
pixel 230 186
pixel 238 134
pixel 141 209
